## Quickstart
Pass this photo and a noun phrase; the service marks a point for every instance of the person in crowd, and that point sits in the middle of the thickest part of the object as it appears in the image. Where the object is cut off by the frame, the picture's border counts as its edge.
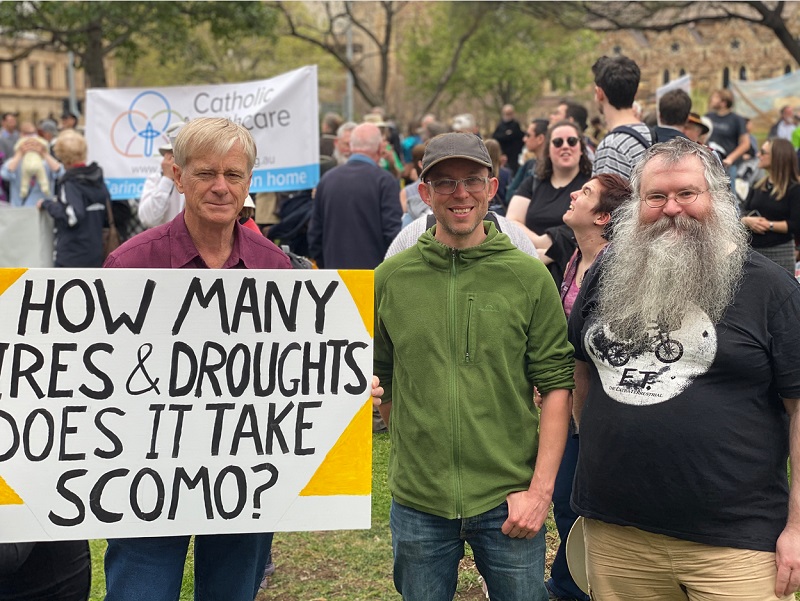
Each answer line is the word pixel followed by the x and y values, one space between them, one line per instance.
pixel 69 120
pixel 589 216
pixel 341 144
pixel 214 160
pixel 45 571
pixel 597 130
pixel 687 348
pixel 331 123
pixel 616 81
pixel 411 139
pixel 357 209
pixel 772 207
pixel 501 172
pixel 785 126
pixel 161 200
pixel 415 207
pixel 465 122
pixel 12 170
pixel 9 134
pixel 696 129
pixel 458 389
pixel 80 208
pixel 32 169
pixel 539 206
pixel 510 135
pixel 729 135
pixel 48 129
pixel 534 145
pixel 673 112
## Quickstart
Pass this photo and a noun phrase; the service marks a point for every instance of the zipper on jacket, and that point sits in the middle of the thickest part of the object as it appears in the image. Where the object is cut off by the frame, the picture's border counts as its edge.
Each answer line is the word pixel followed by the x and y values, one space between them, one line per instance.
pixel 470 302
pixel 456 442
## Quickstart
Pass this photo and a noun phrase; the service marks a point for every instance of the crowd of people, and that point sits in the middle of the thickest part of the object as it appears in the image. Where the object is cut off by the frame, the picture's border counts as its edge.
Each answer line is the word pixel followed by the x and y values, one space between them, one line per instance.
pixel 599 315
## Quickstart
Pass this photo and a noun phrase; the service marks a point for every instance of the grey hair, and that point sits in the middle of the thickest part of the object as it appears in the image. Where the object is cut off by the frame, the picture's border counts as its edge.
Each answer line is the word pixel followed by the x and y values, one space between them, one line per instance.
pixel 347 126
pixel 212 135
pixel 675 151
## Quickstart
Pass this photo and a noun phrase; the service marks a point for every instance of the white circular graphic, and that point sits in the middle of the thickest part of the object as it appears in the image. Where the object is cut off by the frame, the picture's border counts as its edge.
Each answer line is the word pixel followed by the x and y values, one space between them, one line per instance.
pixel 670 361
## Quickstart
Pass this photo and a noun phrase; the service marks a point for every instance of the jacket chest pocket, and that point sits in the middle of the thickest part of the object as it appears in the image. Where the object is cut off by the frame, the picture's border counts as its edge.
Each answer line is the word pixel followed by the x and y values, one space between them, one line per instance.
pixel 485 320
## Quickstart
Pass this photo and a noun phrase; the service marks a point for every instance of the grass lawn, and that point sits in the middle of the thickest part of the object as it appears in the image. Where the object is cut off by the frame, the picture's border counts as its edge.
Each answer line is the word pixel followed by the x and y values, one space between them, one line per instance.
pixel 321 566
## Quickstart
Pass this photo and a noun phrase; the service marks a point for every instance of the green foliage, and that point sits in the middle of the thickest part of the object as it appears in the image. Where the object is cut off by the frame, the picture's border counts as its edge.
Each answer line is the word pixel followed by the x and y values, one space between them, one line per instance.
pixel 95 30
pixel 507 60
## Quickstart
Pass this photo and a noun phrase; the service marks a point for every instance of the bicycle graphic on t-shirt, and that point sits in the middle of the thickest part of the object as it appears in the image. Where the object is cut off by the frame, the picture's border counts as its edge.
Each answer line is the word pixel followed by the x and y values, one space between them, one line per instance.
pixel 617 354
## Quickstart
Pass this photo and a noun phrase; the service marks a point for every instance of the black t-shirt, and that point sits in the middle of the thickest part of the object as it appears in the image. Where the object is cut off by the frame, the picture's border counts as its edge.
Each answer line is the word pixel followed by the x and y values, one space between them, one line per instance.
pixel 786 209
pixel 726 133
pixel 690 437
pixel 549 204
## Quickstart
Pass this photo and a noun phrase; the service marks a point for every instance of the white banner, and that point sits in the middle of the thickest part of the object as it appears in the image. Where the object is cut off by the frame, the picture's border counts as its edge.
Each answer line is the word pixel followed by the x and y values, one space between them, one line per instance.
pixel 143 402
pixel 26 237
pixel 766 96
pixel 125 127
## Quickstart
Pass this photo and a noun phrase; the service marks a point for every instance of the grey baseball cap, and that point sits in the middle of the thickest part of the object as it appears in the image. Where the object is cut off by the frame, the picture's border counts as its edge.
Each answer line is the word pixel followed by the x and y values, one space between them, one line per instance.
pixel 455 145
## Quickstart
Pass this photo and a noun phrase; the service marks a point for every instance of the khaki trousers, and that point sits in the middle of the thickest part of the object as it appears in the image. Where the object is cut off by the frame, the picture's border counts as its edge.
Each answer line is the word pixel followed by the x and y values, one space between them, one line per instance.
pixel 628 564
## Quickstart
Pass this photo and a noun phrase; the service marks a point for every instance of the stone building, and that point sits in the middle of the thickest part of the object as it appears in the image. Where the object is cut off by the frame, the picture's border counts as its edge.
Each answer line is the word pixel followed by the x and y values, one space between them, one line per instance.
pixel 36 86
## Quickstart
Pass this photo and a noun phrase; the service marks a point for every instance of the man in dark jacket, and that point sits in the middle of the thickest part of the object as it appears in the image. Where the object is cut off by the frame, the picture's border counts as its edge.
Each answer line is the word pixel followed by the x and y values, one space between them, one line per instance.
pixel 357 209
pixel 510 136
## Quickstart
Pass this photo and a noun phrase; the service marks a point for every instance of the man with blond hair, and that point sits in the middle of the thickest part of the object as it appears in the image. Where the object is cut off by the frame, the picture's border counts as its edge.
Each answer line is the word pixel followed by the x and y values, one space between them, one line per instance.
pixel 213 167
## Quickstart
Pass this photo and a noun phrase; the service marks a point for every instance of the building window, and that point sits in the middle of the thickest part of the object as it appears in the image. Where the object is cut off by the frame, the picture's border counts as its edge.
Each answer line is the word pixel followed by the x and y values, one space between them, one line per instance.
pixel 675 47
pixel 665 78
pixel 726 77
pixel 15 75
pixel 32 75
pixel 617 50
pixel 735 45
pixel 48 77
pixel 682 72
pixel 742 73
pixel 787 69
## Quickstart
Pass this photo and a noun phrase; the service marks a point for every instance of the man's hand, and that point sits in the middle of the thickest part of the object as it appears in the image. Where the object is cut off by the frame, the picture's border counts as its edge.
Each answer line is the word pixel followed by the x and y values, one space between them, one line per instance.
pixel 166 165
pixel 377 391
pixel 787 559
pixel 527 511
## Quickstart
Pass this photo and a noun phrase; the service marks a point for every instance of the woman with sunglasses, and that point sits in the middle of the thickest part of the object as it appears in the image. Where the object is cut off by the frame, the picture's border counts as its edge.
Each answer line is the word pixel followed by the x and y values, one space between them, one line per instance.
pixel 539 204
pixel 772 209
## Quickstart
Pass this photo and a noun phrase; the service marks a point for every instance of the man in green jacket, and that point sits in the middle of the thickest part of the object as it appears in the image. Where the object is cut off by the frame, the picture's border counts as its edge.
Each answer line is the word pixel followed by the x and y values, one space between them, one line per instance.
pixel 466 326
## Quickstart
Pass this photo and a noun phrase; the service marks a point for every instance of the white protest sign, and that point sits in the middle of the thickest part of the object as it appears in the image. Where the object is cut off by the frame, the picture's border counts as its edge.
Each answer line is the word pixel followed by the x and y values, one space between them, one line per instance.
pixel 125 127
pixel 161 402
pixel 27 237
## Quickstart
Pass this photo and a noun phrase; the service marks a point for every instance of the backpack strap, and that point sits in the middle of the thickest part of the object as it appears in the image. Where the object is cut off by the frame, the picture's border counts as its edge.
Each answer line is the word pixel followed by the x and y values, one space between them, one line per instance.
pixel 626 129
pixel 490 216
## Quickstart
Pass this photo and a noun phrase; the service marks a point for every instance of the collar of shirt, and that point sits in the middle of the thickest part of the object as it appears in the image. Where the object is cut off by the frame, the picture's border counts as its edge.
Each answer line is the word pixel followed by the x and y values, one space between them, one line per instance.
pixel 362 158
pixel 184 253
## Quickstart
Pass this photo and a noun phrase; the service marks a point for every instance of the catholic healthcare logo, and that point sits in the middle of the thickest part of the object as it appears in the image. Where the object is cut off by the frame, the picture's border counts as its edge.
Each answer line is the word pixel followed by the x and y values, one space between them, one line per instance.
pixel 139 131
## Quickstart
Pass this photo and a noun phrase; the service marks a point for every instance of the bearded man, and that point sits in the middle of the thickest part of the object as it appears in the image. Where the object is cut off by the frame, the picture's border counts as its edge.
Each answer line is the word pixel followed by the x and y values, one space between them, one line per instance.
pixel 687 387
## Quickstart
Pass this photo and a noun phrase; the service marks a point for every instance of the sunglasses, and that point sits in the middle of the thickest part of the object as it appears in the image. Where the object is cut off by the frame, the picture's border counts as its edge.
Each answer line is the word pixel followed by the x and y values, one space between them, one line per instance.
pixel 572 141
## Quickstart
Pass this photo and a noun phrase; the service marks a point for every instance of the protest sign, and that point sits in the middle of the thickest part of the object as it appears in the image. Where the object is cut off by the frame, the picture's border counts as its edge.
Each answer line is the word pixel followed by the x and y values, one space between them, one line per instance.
pixel 161 402
pixel 125 127
pixel 766 96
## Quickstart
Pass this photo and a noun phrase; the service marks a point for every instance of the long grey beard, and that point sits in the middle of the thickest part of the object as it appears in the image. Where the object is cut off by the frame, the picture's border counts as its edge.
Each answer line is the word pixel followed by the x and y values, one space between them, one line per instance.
pixel 654 270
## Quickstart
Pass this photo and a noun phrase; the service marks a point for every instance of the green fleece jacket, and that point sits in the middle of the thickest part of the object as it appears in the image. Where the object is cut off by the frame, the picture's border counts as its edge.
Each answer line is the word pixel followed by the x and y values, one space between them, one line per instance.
pixel 461 338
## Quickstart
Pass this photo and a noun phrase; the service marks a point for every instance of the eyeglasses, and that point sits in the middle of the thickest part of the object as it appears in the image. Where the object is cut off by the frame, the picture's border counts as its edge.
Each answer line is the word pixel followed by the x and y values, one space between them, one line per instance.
pixel 572 141
pixel 684 197
pixel 448 186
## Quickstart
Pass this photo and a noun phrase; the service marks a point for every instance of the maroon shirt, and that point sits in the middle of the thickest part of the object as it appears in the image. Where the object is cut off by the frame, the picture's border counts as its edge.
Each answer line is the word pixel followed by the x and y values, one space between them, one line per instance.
pixel 171 246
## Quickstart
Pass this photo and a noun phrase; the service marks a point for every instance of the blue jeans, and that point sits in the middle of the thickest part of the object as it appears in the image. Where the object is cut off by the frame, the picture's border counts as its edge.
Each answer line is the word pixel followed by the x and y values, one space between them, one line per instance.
pixel 561 582
pixel 427 550
pixel 227 567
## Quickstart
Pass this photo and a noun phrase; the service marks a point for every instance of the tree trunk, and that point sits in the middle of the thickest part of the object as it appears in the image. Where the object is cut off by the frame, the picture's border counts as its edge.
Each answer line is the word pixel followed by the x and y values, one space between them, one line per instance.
pixel 92 59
